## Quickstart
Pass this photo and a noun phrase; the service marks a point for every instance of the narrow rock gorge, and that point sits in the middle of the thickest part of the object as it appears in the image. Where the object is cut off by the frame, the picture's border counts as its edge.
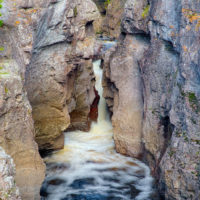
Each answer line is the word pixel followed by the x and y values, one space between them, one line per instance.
pixel 150 82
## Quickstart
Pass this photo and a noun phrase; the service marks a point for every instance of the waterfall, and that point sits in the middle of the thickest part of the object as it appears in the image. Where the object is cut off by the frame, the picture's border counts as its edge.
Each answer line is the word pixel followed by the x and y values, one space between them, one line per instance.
pixel 88 168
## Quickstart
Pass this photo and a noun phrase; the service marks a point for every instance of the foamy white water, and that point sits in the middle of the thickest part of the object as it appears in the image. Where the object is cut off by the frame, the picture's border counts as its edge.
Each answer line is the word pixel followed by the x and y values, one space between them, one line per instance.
pixel 88 168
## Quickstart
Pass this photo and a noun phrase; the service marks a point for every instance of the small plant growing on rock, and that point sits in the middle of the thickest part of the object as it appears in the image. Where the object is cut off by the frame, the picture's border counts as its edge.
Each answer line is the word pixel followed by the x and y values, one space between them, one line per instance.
pixel 145 11
pixel 106 3
pixel 1 21
pixel 75 12
pixel 193 101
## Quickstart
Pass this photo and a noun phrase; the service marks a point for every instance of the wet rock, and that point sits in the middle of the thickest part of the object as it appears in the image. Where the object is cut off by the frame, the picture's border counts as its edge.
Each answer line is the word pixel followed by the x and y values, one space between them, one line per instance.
pixel 56 181
pixel 80 183
pixel 93 115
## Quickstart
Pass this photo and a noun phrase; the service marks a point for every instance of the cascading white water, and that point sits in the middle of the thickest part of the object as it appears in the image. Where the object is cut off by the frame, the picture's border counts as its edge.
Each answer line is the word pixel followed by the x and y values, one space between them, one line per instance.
pixel 88 168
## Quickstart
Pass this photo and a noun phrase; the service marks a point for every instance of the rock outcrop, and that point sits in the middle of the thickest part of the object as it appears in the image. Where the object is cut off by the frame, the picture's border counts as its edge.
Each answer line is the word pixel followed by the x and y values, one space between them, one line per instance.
pixel 60 79
pixel 16 123
pixel 154 94
pixel 122 86
pixel 8 188
pixel 17 130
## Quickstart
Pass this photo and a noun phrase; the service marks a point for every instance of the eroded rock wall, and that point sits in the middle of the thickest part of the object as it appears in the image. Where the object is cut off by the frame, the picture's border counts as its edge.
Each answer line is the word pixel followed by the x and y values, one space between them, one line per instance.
pixel 16 123
pixel 168 77
pixel 60 79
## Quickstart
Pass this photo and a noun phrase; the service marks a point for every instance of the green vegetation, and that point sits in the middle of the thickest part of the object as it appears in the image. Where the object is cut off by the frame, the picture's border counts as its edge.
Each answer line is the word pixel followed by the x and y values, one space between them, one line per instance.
pixel 4 73
pixel 6 90
pixel 193 121
pixel 1 48
pixel 171 153
pixel 193 101
pixel 192 98
pixel 145 12
pixel 1 21
pixel 75 12
pixel 106 3
pixel 99 32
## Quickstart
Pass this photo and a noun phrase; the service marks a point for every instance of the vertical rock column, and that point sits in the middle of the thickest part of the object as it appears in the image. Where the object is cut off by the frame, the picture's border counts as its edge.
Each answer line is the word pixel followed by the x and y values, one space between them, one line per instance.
pixel 122 83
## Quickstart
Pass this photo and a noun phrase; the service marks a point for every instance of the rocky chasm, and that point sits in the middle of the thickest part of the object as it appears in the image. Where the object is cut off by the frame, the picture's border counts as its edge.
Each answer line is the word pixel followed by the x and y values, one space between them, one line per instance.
pixel 150 84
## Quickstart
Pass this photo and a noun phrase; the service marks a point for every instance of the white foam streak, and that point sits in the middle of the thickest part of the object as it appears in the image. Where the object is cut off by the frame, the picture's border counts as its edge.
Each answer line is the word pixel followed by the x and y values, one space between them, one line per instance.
pixel 92 155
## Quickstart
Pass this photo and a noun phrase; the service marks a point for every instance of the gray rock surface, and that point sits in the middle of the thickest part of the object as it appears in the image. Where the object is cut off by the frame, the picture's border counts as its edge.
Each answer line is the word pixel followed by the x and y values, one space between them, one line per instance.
pixel 60 79
pixel 169 77
pixel 16 124
pixel 122 86
pixel 8 188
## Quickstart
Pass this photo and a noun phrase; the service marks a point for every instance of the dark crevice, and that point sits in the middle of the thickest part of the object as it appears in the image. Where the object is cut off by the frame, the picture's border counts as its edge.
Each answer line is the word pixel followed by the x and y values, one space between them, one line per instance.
pixel 170 47
pixel 89 28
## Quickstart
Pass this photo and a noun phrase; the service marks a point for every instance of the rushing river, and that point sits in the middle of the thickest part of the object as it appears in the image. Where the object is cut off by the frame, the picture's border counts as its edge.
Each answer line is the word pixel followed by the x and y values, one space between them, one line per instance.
pixel 88 168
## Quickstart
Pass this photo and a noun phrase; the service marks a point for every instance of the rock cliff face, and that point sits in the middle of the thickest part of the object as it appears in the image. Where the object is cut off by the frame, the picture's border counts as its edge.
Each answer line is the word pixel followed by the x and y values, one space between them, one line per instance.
pixel 111 24
pixel 59 78
pixel 16 124
pixel 8 187
pixel 151 84
pixel 111 12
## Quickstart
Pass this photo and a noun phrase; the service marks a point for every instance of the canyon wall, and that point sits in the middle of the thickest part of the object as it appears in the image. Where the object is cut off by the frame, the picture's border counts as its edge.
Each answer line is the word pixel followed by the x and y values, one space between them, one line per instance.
pixel 151 85
pixel 60 79
pixel 16 123
pixel 56 56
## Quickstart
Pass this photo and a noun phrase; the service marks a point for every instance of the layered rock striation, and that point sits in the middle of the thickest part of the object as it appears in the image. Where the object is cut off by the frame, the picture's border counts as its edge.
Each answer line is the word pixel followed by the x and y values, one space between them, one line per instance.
pixel 151 85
